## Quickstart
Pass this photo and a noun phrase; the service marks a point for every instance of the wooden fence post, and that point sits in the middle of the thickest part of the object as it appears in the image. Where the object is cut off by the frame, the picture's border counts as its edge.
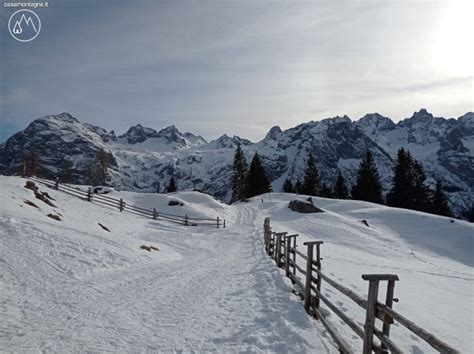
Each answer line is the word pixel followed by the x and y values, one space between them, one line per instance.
pixel 287 254
pixel 186 220
pixel 388 303
pixel 371 309
pixel 309 274
pixel 278 249
pixel 89 196
pixel 56 183
pixel 217 222
pixel 318 266
pixel 223 225
pixel 155 214
pixel 121 205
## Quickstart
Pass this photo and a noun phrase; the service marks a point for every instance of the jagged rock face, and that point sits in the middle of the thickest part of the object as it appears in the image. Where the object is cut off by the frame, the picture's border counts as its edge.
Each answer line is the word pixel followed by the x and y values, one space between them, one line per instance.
pixel 56 138
pixel 144 159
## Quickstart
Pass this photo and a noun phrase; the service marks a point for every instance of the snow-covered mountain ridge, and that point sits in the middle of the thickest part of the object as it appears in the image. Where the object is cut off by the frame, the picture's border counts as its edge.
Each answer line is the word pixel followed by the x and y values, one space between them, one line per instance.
pixel 144 159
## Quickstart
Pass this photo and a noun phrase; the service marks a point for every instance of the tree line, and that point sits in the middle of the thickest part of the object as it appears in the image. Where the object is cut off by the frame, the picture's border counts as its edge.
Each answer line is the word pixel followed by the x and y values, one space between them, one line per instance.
pixel 409 188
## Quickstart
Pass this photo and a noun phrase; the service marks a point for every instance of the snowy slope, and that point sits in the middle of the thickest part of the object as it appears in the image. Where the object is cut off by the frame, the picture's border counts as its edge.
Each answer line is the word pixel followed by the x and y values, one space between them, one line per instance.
pixel 70 285
pixel 433 257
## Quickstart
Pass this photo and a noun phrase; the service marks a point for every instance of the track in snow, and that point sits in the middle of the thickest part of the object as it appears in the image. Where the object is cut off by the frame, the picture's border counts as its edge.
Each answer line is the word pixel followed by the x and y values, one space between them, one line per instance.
pixel 224 294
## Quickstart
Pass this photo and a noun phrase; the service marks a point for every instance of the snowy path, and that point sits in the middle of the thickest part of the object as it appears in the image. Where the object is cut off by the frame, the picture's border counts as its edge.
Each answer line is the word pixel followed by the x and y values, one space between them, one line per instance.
pixel 224 294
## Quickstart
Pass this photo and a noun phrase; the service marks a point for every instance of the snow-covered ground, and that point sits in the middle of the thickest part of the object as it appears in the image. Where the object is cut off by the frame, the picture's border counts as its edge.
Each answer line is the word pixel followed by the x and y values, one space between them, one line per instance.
pixel 70 285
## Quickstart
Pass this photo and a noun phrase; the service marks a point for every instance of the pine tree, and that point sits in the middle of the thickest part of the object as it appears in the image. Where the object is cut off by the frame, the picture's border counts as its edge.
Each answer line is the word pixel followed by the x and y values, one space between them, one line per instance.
pixel 368 185
pixel 32 164
pixel 421 195
pixel 470 216
pixel 440 203
pixel 298 187
pixel 288 186
pixel 311 184
pixel 257 181
pixel 65 174
pixel 171 186
pixel 409 189
pixel 240 174
pixel 340 190
pixel 400 194
pixel 325 192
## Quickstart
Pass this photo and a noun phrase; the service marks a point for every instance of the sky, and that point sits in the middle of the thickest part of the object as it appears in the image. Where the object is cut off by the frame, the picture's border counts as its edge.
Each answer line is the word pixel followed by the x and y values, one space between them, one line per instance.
pixel 236 67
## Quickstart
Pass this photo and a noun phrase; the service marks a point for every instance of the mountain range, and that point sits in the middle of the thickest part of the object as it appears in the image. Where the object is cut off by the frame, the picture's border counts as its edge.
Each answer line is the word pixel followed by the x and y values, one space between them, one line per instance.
pixel 144 159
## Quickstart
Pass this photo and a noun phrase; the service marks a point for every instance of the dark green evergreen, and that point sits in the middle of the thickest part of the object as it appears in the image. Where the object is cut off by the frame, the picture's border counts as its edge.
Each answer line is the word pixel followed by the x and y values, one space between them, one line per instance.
pixel 172 187
pixel 470 216
pixel 325 192
pixel 368 185
pixel 440 202
pixel 340 190
pixel 298 187
pixel 400 195
pixel 240 174
pixel 421 194
pixel 257 181
pixel 409 189
pixel 311 184
pixel 288 186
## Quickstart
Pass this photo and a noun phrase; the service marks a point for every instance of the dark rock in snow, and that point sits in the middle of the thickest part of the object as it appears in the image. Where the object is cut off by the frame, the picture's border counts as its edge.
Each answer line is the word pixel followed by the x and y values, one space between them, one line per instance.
pixel 303 207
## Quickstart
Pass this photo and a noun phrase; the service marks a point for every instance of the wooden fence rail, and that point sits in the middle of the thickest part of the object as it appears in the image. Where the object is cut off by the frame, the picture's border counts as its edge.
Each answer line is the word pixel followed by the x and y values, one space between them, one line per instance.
pixel 123 206
pixel 281 247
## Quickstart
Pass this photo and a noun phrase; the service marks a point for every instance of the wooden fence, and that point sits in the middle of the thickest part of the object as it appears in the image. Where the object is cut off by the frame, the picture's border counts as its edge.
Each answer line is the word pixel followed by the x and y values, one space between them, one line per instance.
pixel 123 206
pixel 282 248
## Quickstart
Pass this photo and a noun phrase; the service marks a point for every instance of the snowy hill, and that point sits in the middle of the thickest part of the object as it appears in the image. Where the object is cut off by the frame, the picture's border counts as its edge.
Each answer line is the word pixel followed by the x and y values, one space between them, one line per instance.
pixel 71 285
pixel 144 159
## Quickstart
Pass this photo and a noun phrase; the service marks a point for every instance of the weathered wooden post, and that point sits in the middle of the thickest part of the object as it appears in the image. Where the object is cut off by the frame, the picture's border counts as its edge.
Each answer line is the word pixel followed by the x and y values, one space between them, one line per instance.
pixel 223 224
pixel 89 196
pixel 121 205
pixel 56 183
pixel 186 220
pixel 217 222
pixel 287 253
pixel 278 249
pixel 318 266
pixel 388 303
pixel 371 309
pixel 309 274
pixel 155 214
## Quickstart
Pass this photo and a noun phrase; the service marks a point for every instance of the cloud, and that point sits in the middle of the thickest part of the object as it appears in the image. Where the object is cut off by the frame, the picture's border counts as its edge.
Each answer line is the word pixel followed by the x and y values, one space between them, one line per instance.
pixel 219 67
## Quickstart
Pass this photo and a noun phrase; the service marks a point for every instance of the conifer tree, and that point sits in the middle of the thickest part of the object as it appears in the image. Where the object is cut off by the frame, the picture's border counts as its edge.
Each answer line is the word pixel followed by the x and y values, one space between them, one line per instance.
pixel 421 195
pixel 470 216
pixel 440 202
pixel 240 174
pixel 311 184
pixel 298 187
pixel 340 190
pixel 171 186
pixel 325 192
pixel 368 185
pixel 288 186
pixel 400 194
pixel 257 181
pixel 409 189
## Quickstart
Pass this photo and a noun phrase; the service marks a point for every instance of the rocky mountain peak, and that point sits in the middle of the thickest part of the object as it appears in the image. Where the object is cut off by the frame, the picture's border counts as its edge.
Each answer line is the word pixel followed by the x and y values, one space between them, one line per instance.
pixel 273 133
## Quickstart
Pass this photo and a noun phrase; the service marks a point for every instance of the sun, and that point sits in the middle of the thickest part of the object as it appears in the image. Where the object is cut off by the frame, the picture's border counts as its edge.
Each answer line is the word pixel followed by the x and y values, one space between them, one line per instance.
pixel 453 49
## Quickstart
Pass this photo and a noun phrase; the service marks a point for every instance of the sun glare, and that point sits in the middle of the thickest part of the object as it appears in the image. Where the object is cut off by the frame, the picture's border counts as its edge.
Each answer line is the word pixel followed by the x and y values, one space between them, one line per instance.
pixel 453 39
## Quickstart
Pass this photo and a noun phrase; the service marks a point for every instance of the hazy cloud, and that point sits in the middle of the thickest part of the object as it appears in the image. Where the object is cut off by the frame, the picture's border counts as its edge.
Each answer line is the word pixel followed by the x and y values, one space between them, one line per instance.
pixel 237 67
